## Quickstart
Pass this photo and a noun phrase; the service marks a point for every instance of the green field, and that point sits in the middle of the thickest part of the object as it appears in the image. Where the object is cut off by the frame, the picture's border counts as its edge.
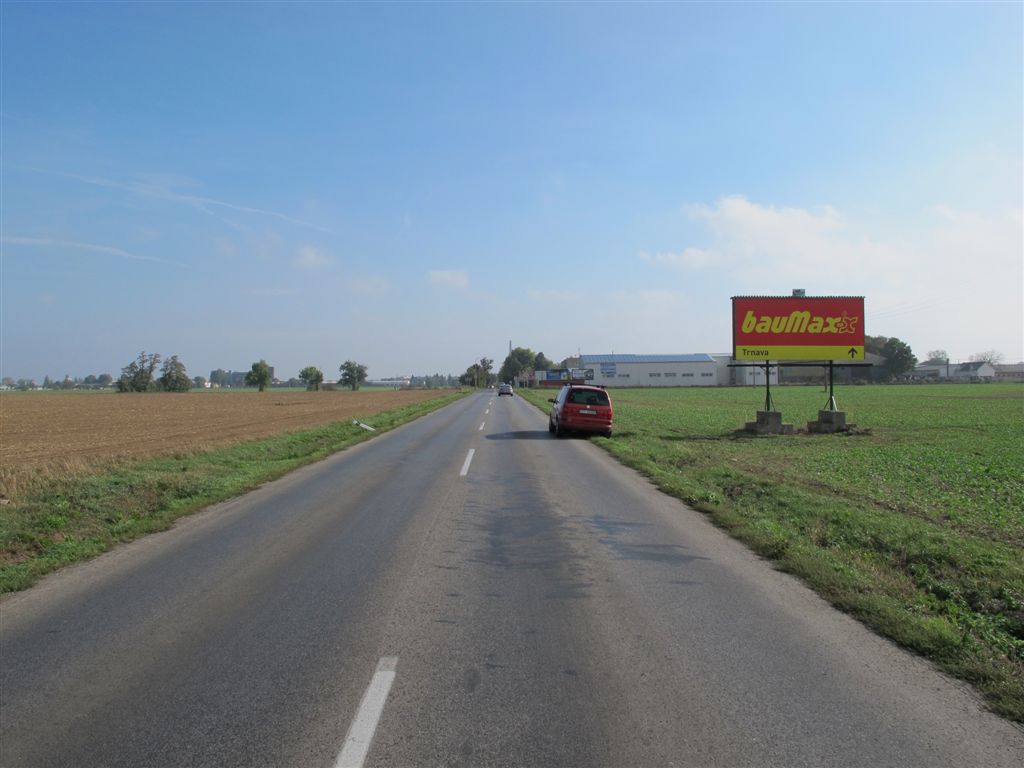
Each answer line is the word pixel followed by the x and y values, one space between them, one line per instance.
pixel 913 522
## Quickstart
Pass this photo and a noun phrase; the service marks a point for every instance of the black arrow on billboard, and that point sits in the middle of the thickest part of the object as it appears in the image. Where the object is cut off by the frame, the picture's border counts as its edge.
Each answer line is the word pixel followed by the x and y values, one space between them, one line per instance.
pixel 852 352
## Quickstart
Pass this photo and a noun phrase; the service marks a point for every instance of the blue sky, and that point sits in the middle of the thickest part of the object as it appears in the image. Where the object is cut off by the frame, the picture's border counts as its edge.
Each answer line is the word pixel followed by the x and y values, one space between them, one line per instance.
pixel 414 185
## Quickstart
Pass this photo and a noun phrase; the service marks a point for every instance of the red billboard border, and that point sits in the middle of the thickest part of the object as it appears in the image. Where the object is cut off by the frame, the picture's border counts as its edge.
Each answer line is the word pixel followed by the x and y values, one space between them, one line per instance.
pixel 786 344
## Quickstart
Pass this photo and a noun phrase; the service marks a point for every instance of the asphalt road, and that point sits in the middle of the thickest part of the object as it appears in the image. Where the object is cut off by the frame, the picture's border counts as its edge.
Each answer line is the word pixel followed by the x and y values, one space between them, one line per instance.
pixel 410 603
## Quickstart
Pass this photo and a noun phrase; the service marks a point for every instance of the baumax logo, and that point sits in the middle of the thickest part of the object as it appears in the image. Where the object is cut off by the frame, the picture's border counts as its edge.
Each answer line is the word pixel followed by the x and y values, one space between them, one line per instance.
pixel 798 322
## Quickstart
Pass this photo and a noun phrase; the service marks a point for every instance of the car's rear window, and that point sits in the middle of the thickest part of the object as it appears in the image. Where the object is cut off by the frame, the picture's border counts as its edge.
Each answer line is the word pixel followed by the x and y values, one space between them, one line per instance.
pixel 588 397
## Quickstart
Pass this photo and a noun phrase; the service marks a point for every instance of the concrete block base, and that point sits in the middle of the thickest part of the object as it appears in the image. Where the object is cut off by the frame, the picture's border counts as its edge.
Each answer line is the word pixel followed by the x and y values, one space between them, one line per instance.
pixel 769 423
pixel 828 422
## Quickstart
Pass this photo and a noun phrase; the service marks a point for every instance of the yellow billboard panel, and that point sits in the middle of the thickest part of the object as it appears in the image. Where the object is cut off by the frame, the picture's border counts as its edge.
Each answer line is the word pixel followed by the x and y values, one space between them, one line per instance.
pixel 802 352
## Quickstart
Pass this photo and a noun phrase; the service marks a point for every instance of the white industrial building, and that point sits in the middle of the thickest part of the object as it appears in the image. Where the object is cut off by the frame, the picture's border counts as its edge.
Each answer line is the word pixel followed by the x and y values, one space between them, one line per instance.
pixel 696 370
pixel 693 370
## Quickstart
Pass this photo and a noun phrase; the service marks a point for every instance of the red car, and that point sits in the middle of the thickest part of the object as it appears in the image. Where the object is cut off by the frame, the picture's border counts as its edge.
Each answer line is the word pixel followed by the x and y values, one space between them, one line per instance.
pixel 581 408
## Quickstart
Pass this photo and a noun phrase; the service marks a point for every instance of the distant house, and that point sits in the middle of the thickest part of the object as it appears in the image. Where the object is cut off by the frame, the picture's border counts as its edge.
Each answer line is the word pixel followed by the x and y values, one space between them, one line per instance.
pixel 974 371
pixel 1014 372
pixel 933 370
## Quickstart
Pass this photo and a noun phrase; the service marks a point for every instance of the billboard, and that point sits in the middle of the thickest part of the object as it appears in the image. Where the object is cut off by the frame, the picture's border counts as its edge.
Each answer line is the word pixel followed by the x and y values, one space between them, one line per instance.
pixel 798 327
pixel 556 374
pixel 568 374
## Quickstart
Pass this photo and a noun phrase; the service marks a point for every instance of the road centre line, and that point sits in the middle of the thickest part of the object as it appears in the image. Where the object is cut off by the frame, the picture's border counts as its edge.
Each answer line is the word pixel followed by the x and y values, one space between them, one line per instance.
pixel 487 411
pixel 466 463
pixel 360 733
pixel 481 429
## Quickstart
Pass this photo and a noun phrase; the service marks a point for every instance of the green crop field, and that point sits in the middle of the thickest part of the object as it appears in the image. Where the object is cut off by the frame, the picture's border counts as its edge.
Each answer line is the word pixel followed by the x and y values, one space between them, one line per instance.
pixel 913 521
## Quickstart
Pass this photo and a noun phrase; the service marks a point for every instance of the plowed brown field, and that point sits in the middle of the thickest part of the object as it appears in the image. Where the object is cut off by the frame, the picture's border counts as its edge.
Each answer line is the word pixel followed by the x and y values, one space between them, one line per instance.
pixel 41 429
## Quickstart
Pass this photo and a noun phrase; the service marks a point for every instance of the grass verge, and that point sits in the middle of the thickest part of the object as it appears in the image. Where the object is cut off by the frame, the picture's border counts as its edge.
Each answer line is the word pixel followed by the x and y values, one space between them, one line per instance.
pixel 64 520
pixel 914 524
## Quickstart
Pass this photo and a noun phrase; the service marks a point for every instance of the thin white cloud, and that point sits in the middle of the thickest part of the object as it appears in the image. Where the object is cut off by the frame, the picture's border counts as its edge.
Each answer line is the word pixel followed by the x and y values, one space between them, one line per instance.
pixel 951 279
pixel 310 257
pixel 761 245
pixel 45 242
pixel 159 187
pixel 450 278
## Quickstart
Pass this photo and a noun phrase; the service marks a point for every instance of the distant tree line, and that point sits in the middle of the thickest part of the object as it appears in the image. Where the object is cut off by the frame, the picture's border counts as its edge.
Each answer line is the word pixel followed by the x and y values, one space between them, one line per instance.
pixel 434 380
pixel 519 362
pixel 151 373
pixel 92 381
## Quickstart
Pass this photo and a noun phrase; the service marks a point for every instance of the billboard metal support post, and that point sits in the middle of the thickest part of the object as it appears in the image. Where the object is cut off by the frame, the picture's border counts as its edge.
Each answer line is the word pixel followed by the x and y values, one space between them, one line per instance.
pixel 831 406
pixel 769 405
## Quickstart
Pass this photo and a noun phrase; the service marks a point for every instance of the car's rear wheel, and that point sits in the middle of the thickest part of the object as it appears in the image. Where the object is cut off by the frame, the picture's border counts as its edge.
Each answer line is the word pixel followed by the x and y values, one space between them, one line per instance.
pixel 560 431
pixel 551 426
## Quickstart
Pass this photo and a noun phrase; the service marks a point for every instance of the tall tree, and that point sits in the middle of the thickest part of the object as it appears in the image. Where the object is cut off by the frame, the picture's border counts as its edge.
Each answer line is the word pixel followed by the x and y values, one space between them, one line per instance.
pixel 899 358
pixel 486 365
pixel 352 374
pixel 174 377
pixel 472 376
pixel 259 376
pixel 937 356
pixel 104 379
pixel 875 344
pixel 518 360
pixel 140 374
pixel 312 377
pixel 541 363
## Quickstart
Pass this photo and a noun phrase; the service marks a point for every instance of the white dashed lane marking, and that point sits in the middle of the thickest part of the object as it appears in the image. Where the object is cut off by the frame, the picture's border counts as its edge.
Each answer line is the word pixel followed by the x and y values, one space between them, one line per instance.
pixel 467 462
pixel 360 733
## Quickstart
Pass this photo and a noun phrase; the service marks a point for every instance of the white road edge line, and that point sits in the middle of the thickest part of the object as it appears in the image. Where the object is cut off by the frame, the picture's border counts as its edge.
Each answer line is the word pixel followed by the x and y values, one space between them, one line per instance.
pixel 465 465
pixel 481 428
pixel 360 733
